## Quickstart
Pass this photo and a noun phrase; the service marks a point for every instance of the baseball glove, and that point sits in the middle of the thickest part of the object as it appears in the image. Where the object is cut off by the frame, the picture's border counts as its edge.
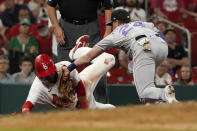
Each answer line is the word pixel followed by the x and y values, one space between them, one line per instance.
pixel 63 103
pixel 64 84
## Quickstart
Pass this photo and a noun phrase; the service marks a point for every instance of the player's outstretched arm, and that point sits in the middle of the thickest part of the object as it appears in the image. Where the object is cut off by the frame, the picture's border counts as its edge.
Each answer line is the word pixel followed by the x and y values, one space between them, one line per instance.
pixel 89 56
pixel 85 59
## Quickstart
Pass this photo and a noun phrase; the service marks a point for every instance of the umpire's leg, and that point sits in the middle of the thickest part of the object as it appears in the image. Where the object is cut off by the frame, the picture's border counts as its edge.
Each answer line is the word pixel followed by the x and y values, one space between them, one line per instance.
pixel 72 32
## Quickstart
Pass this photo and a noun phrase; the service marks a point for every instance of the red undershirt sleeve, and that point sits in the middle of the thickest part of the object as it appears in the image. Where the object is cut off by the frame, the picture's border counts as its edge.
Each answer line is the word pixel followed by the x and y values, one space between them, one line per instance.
pixel 81 94
pixel 27 106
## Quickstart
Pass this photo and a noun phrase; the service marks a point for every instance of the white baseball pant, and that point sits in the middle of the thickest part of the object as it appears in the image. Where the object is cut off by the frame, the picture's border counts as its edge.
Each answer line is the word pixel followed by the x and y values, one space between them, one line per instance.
pixel 92 74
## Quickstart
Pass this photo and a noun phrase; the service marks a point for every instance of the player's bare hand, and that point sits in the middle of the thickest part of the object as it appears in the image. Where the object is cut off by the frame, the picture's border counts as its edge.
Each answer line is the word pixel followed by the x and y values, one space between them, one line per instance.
pixel 4 50
pixel 66 73
pixel 59 34
pixel 2 31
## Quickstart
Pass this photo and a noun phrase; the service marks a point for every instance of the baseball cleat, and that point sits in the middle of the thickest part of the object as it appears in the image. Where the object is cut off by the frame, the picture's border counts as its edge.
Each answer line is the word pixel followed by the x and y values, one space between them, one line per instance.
pixel 81 42
pixel 170 94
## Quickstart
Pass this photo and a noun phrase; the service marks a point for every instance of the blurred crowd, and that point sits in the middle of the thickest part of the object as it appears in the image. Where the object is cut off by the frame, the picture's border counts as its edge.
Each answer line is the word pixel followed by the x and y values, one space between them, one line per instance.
pixel 25 33
pixel 176 69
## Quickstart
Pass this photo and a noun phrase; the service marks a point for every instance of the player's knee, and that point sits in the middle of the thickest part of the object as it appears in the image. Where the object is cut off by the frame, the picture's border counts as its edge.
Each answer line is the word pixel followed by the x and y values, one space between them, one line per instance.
pixel 110 60
pixel 149 92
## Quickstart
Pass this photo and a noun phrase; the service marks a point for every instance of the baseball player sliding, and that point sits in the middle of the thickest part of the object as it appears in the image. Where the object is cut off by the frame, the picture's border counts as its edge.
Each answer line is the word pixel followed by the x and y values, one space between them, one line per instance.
pixel 53 87
pixel 145 45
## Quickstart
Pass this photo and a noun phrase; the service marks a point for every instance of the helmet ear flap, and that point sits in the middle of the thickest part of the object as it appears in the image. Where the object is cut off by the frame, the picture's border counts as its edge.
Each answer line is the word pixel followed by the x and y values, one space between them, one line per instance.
pixel 44 65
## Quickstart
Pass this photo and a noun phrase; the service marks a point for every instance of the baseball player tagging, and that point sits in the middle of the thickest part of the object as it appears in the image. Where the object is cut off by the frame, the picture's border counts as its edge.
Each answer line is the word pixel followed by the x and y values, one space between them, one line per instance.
pixel 145 45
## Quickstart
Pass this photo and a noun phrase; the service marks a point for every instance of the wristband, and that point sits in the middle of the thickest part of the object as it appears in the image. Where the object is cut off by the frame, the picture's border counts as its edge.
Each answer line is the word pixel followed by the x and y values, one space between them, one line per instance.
pixel 71 67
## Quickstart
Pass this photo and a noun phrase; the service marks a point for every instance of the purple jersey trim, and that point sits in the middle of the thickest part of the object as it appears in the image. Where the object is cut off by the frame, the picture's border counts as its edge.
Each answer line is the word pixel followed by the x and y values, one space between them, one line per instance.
pixel 99 46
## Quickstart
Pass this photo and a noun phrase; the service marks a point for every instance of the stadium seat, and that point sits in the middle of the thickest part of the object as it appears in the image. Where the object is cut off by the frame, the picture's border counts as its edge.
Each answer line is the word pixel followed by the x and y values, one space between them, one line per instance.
pixel 174 79
pixel 194 71
pixel 112 79
pixel 119 76
pixel 118 71
pixel 194 78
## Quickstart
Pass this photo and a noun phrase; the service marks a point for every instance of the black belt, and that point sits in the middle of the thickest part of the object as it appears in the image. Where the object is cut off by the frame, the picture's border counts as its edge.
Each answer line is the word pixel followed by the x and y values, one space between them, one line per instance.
pixel 142 36
pixel 79 22
pixel 139 37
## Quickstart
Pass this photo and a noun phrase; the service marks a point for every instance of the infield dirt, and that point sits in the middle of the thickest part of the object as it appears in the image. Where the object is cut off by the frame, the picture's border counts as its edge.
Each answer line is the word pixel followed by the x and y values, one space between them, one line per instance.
pixel 175 117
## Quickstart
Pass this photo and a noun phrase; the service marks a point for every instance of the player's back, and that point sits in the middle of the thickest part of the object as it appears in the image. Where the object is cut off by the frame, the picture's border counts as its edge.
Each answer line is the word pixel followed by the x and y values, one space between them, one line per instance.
pixel 129 33
pixel 124 36
pixel 138 28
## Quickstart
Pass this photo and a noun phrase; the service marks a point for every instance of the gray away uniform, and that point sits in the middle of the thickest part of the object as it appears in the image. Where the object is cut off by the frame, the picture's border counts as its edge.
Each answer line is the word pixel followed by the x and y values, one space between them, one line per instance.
pixel 130 37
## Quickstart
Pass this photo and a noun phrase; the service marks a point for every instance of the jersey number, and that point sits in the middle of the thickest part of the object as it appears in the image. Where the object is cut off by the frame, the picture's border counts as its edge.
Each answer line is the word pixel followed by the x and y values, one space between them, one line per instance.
pixel 125 30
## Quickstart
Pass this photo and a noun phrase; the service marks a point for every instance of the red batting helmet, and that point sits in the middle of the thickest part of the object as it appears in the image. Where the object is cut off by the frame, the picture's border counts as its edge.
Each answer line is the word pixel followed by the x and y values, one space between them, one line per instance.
pixel 44 65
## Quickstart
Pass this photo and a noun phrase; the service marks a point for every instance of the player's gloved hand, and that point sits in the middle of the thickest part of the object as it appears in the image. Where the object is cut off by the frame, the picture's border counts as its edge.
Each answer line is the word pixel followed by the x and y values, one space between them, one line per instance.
pixel 64 85
pixel 65 72
pixel 63 102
